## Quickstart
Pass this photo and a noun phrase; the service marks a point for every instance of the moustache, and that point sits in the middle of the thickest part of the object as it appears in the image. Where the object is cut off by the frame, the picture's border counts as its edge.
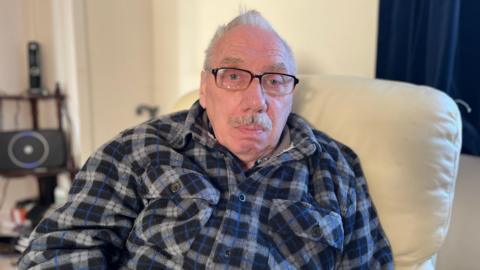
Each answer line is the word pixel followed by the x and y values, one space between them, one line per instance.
pixel 253 119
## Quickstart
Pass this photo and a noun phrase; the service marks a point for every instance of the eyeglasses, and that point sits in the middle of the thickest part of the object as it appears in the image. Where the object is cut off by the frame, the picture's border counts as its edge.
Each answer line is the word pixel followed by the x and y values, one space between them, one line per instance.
pixel 275 84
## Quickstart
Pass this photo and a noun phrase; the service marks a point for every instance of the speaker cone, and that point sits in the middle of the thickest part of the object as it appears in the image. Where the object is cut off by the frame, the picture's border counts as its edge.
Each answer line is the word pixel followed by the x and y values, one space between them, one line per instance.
pixel 28 149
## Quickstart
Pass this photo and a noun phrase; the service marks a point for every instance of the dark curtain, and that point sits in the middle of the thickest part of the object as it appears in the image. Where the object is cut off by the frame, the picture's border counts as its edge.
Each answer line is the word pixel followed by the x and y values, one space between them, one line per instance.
pixel 435 43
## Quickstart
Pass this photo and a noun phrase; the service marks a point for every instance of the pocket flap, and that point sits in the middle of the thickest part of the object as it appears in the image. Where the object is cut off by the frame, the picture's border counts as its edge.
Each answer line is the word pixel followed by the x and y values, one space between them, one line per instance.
pixel 172 228
pixel 306 221
pixel 181 183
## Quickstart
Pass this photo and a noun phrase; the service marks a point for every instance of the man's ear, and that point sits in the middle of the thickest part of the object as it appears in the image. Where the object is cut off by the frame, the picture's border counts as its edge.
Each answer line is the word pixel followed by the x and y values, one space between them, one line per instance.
pixel 203 88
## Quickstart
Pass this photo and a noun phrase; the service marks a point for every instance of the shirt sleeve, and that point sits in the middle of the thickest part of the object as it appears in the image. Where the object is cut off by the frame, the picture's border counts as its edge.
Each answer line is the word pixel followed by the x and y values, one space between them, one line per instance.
pixel 90 230
pixel 365 243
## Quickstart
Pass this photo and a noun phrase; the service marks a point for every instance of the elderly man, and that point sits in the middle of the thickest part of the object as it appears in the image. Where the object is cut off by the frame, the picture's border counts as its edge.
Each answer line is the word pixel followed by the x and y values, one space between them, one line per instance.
pixel 236 182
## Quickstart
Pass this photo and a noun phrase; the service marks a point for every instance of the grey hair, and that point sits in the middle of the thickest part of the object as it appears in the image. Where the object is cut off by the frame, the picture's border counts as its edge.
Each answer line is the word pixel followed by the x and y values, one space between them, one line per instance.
pixel 246 17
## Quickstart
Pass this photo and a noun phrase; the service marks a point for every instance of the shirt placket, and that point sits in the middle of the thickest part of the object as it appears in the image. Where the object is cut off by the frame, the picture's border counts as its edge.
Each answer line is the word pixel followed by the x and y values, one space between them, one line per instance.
pixel 223 249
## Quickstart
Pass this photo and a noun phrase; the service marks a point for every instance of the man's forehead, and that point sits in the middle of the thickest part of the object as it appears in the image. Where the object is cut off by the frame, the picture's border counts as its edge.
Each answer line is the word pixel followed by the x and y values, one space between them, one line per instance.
pixel 251 47
pixel 232 61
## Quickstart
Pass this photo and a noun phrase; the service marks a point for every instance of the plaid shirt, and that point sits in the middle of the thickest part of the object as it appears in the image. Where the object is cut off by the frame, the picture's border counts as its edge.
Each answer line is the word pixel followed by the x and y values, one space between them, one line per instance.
pixel 167 195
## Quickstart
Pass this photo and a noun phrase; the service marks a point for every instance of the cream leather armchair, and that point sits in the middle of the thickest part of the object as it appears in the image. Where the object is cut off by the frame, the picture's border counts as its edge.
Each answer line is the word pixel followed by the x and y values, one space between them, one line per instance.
pixel 408 138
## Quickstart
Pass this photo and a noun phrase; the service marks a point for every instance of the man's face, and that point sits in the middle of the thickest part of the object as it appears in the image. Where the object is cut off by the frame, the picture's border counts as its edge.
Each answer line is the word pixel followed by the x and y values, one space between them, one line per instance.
pixel 257 50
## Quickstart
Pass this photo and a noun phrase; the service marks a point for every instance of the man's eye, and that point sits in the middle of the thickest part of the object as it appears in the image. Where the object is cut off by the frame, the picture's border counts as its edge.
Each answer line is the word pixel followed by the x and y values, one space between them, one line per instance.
pixel 274 82
pixel 233 77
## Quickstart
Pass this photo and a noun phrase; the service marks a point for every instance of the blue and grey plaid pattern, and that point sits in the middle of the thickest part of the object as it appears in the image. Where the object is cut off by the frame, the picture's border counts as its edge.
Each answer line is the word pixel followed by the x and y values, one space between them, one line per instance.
pixel 166 195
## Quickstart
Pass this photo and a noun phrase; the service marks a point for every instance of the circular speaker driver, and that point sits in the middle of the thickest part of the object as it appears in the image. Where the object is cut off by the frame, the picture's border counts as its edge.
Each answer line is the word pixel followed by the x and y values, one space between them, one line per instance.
pixel 28 149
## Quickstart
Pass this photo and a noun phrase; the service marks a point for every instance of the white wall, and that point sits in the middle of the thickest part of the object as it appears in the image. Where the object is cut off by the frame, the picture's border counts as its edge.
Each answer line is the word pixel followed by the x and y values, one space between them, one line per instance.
pixel 333 37
pixel 13 76
pixel 119 55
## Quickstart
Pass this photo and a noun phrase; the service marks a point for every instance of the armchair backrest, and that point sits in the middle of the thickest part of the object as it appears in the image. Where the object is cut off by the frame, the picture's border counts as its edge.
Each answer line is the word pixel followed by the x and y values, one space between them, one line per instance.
pixel 408 138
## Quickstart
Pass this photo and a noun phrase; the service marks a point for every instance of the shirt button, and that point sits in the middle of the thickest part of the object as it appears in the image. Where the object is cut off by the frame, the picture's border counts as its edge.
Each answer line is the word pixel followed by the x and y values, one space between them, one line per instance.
pixel 242 197
pixel 175 187
pixel 317 231
pixel 227 253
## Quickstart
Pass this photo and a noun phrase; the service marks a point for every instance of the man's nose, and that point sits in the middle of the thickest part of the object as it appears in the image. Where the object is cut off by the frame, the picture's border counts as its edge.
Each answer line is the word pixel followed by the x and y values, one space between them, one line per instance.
pixel 254 97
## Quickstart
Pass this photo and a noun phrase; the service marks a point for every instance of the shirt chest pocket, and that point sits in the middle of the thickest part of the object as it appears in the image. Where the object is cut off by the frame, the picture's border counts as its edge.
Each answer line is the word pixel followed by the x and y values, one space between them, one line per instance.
pixel 301 232
pixel 178 208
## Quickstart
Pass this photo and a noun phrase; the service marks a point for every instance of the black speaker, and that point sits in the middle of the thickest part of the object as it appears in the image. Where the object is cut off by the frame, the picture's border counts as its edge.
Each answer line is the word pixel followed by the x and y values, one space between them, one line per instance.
pixel 32 150
pixel 34 68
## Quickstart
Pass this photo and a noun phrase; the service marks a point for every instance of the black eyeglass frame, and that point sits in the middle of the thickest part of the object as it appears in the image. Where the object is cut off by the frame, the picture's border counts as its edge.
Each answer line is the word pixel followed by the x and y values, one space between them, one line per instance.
pixel 253 76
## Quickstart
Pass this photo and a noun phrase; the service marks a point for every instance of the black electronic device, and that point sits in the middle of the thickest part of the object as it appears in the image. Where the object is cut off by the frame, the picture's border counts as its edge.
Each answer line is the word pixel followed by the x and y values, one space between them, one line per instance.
pixel 32 150
pixel 34 68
